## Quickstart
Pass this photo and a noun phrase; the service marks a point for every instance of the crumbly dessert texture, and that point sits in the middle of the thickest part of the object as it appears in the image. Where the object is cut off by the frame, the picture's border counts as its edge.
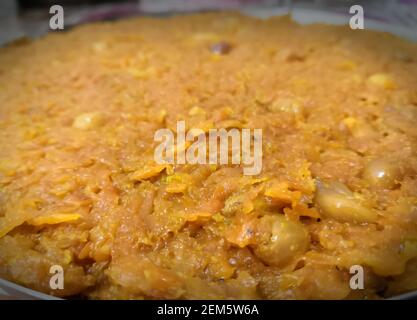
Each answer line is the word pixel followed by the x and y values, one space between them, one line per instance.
pixel 79 187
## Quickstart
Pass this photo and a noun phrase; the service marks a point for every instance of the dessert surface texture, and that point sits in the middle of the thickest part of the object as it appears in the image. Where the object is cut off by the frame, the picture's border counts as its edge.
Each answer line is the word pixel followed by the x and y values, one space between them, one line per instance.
pixel 79 187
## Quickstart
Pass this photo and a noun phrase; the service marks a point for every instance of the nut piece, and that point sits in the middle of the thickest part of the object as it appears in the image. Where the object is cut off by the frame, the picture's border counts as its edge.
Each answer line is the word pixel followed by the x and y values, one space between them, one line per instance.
pixel 221 48
pixel 88 121
pixel 337 202
pixel 382 172
pixel 382 80
pixel 281 240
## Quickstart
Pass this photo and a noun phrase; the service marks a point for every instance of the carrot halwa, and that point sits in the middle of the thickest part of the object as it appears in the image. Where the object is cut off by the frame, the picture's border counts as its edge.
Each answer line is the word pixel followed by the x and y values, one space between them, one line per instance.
pixel 79 187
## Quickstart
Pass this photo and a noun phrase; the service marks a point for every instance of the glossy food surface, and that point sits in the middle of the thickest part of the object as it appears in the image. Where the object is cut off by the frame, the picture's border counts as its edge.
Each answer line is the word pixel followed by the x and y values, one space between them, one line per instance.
pixel 79 188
